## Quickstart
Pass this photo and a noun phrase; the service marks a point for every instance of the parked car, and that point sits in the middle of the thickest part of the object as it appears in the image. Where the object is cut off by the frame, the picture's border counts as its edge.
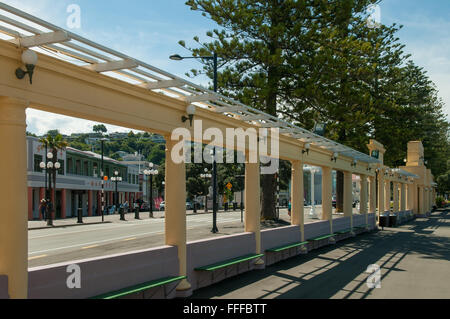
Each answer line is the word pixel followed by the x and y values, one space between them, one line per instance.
pixel 145 207
pixel 189 205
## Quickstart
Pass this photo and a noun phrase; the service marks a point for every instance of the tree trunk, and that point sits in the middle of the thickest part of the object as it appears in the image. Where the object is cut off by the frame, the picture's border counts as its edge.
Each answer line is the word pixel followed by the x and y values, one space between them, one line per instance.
pixel 268 205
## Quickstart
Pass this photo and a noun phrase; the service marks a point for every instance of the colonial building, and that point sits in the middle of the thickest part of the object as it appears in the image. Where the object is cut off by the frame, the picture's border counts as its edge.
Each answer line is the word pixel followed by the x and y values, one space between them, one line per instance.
pixel 78 183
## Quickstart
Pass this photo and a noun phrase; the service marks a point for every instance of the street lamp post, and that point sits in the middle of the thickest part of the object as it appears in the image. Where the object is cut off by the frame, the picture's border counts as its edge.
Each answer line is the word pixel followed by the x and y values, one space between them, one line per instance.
pixel 50 167
pixel 206 176
pixel 150 173
pixel 117 179
pixel 177 57
pixel 102 176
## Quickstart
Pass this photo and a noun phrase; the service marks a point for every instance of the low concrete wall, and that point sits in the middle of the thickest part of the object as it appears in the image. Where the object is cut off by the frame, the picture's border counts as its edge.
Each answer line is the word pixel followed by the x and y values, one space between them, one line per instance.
pixel 209 251
pixel 317 229
pixel 103 274
pixel 271 238
pixel 341 223
pixel 359 220
pixel 372 221
pixel 4 287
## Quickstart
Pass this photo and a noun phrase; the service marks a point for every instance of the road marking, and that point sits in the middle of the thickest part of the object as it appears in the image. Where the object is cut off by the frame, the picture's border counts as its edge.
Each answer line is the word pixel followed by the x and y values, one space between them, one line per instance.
pixel 88 247
pixel 128 239
pixel 36 257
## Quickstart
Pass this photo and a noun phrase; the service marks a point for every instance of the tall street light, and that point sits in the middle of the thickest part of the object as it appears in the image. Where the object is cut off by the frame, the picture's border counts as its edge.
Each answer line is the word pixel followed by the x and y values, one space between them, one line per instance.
pixel 102 176
pixel 206 176
pixel 117 179
pixel 150 173
pixel 50 167
pixel 177 57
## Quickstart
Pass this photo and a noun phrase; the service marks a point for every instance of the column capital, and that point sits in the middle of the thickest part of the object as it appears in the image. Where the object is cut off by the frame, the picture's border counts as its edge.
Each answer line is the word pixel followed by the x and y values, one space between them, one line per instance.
pixel 13 111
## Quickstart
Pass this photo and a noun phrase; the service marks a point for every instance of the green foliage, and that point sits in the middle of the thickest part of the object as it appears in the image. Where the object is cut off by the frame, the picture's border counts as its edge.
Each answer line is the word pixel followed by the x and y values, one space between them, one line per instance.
pixel 100 128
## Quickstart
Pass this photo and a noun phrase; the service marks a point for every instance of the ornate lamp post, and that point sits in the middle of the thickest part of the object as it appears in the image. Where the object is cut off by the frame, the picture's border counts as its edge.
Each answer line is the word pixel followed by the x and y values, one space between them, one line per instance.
pixel 312 212
pixel 206 176
pixel 150 173
pixel 116 179
pixel 50 168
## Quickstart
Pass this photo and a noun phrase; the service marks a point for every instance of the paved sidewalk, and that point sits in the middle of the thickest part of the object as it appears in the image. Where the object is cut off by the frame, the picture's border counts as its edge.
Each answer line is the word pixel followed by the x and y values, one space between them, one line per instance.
pixel 414 261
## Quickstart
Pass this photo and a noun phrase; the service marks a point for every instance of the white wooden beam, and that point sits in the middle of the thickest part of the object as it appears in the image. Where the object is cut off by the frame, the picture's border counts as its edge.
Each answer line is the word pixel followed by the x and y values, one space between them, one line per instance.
pixel 42 39
pixel 201 98
pixel 112 66
pixel 162 84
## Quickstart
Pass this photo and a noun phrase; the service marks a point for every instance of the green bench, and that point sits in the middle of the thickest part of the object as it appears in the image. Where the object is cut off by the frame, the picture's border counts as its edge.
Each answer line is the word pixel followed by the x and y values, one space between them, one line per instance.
pixel 229 262
pixel 281 248
pixel 361 226
pixel 321 237
pixel 342 232
pixel 140 287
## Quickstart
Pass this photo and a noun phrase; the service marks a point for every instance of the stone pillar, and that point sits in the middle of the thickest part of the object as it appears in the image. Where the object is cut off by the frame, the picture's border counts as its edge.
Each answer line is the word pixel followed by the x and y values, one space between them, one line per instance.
pixel 363 194
pixel 14 212
pixel 175 225
pixel 402 197
pixel 348 196
pixel 381 192
pixel 63 203
pixel 421 200
pixel 372 195
pixel 252 200
pixel 297 197
pixel 395 192
pixel 387 196
pixel 327 208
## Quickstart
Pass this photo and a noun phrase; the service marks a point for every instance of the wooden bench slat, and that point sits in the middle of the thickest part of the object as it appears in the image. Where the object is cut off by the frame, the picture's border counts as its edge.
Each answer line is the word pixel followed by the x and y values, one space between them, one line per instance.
pixel 140 287
pixel 281 248
pixel 229 262
pixel 322 237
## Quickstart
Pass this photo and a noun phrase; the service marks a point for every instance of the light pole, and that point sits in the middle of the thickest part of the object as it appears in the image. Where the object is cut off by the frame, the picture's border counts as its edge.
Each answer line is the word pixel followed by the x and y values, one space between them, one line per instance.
pixel 312 212
pixel 116 179
pixel 150 173
pixel 51 167
pixel 102 176
pixel 177 57
pixel 206 176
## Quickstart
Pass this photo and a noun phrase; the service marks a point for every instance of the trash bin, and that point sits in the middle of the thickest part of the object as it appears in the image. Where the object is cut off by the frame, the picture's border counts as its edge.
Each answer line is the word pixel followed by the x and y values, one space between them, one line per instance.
pixel 392 221
pixel 384 221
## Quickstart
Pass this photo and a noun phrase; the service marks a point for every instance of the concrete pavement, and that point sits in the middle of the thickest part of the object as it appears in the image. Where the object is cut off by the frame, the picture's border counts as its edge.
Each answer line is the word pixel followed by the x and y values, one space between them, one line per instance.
pixel 414 261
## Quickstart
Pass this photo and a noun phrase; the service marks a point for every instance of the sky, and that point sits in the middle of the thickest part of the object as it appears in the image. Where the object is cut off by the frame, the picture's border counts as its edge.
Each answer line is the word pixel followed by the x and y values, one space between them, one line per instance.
pixel 149 30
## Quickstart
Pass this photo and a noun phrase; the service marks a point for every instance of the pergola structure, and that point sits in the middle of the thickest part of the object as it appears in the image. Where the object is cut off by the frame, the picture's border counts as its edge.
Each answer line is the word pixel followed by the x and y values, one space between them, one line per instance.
pixel 80 78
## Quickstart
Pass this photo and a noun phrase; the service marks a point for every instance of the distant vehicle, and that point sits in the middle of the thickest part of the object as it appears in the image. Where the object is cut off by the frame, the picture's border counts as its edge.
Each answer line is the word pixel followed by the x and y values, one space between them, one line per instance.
pixel 189 206
pixel 162 206
pixel 145 207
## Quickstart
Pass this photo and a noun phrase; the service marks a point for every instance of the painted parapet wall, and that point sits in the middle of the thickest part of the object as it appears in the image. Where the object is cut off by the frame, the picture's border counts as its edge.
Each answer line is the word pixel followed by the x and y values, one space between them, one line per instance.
pixel 317 229
pixel 341 223
pixel 359 220
pixel 372 221
pixel 209 251
pixel 4 287
pixel 272 238
pixel 104 274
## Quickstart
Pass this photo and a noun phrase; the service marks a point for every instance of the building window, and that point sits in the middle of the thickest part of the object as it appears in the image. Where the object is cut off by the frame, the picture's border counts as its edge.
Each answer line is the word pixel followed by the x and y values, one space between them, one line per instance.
pixel 86 168
pixel 61 169
pixel 69 165
pixel 37 162
pixel 95 170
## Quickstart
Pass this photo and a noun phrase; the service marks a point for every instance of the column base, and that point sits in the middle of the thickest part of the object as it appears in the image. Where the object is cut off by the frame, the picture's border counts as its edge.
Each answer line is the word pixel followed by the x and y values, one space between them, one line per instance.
pixel 259 264
pixel 332 240
pixel 184 289
pixel 352 234
pixel 303 250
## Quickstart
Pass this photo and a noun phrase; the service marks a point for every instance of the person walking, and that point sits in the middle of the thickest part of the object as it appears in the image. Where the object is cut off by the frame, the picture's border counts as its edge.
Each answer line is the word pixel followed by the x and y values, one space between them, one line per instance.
pixel 43 208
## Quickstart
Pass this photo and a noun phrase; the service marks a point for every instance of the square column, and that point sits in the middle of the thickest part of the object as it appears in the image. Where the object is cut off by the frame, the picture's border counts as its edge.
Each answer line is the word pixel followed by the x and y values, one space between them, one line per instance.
pixel 348 196
pixel 381 185
pixel 387 196
pixel 396 200
pixel 363 198
pixel 175 223
pixel 297 197
pixel 402 197
pixel 372 195
pixel 327 209
pixel 14 212
pixel 30 203
pixel 252 199
pixel 63 203
pixel 421 203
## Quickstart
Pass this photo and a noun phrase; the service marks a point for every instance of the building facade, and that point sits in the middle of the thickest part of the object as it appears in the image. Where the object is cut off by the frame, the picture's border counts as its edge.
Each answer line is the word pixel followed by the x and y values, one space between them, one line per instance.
pixel 78 182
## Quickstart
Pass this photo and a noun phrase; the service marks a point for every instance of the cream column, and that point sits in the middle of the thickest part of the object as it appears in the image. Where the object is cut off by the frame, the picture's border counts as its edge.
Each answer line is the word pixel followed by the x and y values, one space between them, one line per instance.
pixel 175 216
pixel 253 203
pixel 363 198
pixel 297 197
pixel 402 197
pixel 421 198
pixel 396 199
pixel 372 195
pixel 387 196
pixel 327 209
pixel 14 214
pixel 348 197
pixel 381 184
